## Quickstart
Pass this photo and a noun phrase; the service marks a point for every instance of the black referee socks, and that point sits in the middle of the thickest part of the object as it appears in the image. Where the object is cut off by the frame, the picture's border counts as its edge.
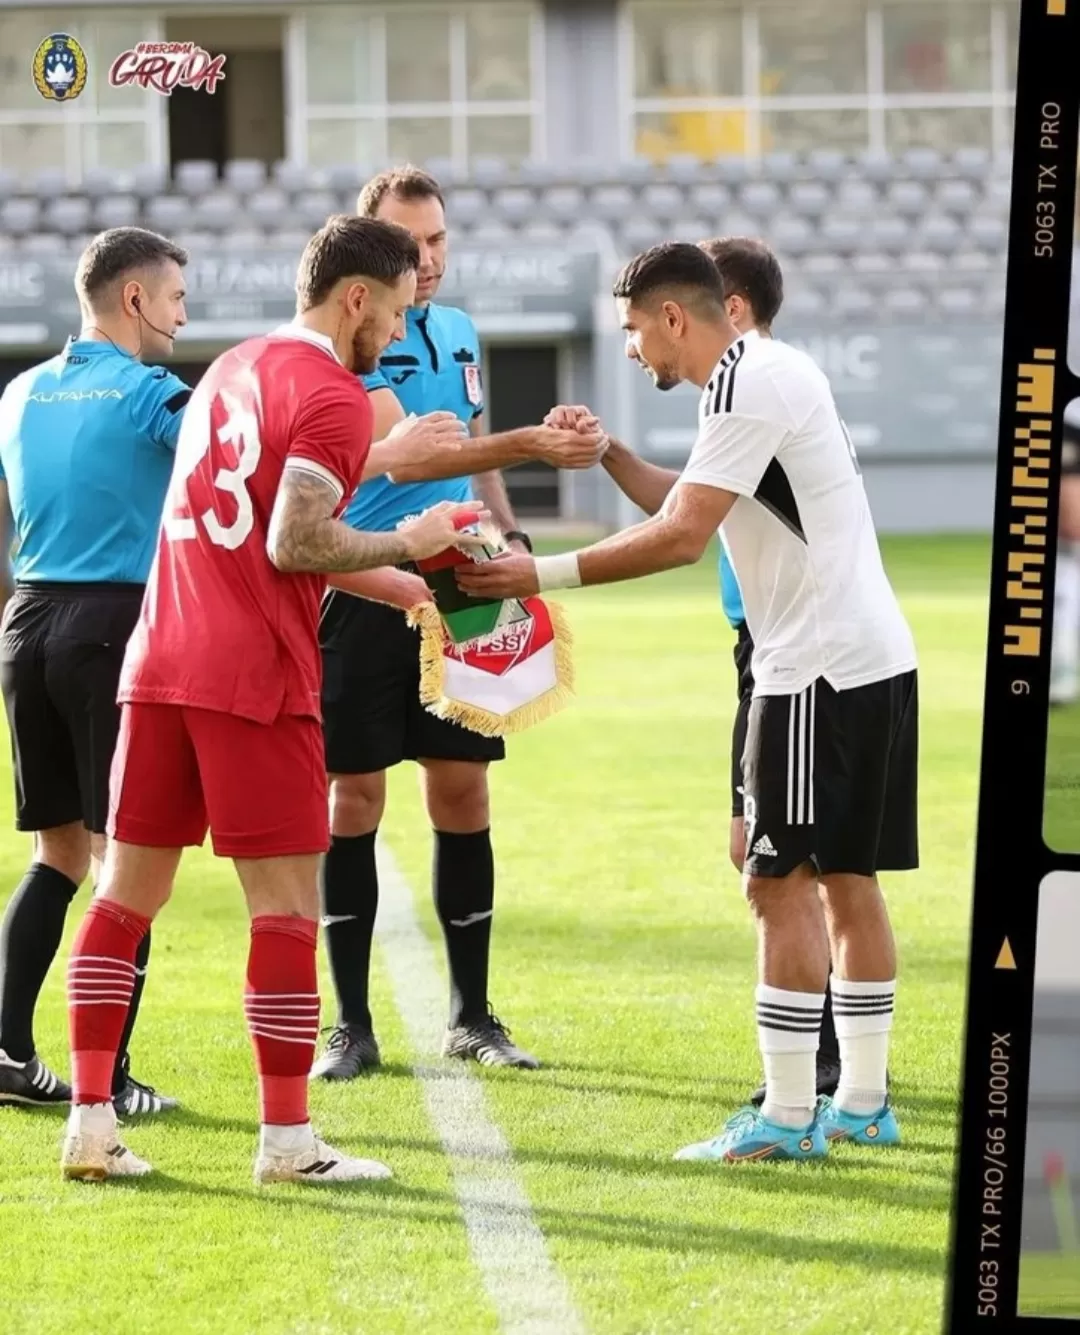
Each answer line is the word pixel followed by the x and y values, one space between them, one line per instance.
pixel 464 885
pixel 350 900
pixel 30 936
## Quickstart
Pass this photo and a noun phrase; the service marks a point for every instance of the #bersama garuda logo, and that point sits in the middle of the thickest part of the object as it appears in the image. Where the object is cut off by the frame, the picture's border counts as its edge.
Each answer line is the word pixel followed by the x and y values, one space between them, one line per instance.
pixel 59 68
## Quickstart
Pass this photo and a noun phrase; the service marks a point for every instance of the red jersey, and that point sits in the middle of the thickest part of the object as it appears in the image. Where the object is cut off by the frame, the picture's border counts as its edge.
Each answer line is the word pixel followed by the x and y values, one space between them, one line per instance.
pixel 221 627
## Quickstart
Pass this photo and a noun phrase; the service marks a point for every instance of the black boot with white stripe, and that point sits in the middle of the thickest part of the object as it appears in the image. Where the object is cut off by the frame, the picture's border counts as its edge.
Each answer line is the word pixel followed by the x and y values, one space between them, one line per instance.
pixel 488 1043
pixel 31 1083
pixel 138 1100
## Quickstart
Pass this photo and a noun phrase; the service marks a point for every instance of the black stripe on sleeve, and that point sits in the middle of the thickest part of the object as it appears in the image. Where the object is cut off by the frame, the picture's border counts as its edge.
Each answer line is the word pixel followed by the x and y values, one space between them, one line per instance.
pixel 179 400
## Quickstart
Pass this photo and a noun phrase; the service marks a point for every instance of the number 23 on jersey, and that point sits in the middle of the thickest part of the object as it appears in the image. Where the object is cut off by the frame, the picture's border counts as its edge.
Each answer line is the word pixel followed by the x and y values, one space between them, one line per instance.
pixel 237 445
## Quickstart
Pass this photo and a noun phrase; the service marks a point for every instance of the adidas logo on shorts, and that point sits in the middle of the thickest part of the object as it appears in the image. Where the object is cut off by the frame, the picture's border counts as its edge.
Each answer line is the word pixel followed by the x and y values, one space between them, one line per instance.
pixel 764 847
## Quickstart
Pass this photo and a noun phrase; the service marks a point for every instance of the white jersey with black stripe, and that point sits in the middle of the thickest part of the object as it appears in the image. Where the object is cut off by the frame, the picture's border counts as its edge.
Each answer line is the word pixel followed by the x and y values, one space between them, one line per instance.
pixel 800 535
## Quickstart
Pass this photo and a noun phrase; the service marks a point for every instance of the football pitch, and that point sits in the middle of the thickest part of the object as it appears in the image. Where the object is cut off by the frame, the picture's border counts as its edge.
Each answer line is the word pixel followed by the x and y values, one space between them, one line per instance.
pixel 624 957
pixel 1050 1285
pixel 1061 810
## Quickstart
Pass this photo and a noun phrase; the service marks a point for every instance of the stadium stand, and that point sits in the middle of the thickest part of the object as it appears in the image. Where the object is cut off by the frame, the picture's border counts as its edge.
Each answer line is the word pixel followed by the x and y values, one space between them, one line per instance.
pixel 868 216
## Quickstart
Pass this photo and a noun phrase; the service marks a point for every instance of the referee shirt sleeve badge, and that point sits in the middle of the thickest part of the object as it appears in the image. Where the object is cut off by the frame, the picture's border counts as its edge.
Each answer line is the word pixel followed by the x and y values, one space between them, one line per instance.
pixel 474 385
pixel 494 667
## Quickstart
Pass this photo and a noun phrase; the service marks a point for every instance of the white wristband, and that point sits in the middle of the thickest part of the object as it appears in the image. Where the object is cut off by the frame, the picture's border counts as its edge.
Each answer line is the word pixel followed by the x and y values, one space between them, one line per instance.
pixel 558 572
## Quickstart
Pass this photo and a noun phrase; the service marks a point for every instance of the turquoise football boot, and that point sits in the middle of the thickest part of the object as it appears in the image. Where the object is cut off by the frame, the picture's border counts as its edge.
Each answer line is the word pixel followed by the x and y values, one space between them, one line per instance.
pixel 880 1128
pixel 749 1136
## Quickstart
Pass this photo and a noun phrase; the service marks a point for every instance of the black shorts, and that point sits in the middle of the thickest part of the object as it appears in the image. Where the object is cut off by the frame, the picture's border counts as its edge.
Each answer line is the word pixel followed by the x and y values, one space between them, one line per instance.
pixel 744 655
pixel 1070 450
pixel 831 778
pixel 372 715
pixel 61 651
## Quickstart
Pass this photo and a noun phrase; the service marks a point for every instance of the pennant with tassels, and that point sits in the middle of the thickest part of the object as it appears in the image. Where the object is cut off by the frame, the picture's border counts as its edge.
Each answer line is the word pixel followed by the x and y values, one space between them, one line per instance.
pixel 494 666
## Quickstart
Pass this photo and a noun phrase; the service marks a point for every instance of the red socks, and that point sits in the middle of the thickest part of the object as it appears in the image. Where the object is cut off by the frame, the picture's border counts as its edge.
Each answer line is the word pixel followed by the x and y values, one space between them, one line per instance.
pixel 101 979
pixel 281 1002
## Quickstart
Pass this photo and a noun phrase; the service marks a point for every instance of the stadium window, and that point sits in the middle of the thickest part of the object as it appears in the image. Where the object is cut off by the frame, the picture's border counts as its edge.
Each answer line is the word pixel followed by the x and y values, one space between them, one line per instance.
pixel 98 128
pixel 687 51
pixel 719 133
pixel 425 81
pixel 937 48
pixel 812 50
pixel 943 128
pixel 1012 43
pixel 801 131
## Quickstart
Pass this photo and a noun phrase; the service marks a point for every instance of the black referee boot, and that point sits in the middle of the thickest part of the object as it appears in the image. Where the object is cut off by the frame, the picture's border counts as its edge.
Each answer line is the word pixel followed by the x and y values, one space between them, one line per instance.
pixel 31 1084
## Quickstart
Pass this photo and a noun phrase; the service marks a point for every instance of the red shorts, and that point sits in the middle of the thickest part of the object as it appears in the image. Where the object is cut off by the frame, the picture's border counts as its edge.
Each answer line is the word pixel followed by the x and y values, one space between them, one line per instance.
pixel 261 789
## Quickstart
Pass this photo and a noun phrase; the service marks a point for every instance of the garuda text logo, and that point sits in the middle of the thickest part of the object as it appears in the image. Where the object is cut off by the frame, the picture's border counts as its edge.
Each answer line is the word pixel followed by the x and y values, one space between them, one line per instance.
pixel 164 66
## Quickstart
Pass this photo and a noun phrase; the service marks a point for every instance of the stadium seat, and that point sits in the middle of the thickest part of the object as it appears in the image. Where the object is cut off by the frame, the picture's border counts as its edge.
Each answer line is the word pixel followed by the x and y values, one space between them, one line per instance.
pixel 268 206
pixel 242 241
pixel 9 246
pixel 760 198
pixel 972 261
pixel 97 182
pixel 563 203
pixel 537 174
pixel 958 300
pixel 971 163
pixel 938 231
pixel 731 168
pixel 195 177
pixel 997 194
pixel 791 235
pixel 49 183
pixel 922 164
pixel 870 264
pixel 542 232
pixel 347 177
pixel 781 167
pixel 218 211
pixel 44 245
pixel 197 242
pixel 167 213
pixel 9 184
pixel 639 234
pixel 851 300
pixel 313 208
pixel 921 263
pixel 874 164
pixel 68 215
pixel 710 199
pixel 992 300
pixel 825 164
pixel 612 203
pixel 910 198
pixel 662 201
pixel 19 216
pixel 856 198
pixel 810 198
pixel 824 264
pixel 987 231
pixel 149 179
pixel 956 196
pixel 841 232
pixel 117 211
pixel 886 232
pixel 640 171
pixel 514 205
pixel 488 171
pixel 684 168
pixel 692 230
pixel 295 177
pixel 465 206
pixel 288 239
pixel 903 301
pixel 245 175
pixel 490 231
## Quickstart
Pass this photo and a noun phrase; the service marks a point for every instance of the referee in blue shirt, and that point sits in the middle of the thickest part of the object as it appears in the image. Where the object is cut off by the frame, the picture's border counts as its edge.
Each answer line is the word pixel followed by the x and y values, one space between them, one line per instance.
pixel 87 441
pixel 372 714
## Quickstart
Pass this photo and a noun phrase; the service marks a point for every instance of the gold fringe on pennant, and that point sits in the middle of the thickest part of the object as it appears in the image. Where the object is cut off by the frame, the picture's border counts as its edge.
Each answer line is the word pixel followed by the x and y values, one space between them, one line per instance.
pixel 425 617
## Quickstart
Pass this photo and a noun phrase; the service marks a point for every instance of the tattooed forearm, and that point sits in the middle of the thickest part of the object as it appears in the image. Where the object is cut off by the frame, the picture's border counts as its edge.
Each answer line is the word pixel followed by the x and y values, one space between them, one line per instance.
pixel 304 537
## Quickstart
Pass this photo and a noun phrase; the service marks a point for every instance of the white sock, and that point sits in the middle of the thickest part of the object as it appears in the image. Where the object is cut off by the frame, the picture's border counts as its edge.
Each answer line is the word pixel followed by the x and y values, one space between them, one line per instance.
pixel 286 1139
pixel 92 1119
pixel 1065 645
pixel 864 1015
pixel 789 1027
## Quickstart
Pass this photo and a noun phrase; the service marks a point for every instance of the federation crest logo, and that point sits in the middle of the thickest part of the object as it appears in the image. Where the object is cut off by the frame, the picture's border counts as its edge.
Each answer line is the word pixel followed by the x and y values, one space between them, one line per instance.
pixel 474 388
pixel 59 68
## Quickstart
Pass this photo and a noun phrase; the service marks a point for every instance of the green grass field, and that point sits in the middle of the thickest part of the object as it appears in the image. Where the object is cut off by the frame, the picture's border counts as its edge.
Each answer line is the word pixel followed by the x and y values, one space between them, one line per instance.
pixel 1050 1285
pixel 624 956
pixel 1061 810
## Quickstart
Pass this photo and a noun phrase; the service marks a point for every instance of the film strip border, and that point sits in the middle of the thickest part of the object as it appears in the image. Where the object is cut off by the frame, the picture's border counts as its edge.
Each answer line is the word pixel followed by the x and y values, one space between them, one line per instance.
pixel 1011 857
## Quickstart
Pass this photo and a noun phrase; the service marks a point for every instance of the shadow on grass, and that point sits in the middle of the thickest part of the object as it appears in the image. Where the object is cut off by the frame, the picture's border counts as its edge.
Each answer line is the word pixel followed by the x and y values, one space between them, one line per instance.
pixel 376 1200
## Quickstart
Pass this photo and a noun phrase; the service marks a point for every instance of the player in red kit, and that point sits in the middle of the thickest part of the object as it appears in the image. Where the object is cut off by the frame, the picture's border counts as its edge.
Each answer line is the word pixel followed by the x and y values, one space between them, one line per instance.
pixel 221 685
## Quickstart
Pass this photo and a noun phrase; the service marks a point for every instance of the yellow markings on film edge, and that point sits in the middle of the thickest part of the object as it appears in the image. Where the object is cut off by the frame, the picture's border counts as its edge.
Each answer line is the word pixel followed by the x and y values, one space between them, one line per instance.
pixel 1026 563
pixel 1055 8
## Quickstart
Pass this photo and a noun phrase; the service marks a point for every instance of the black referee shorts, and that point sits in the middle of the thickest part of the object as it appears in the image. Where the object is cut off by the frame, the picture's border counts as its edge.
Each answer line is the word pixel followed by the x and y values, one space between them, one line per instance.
pixel 831 777
pixel 744 672
pixel 61 651
pixel 372 715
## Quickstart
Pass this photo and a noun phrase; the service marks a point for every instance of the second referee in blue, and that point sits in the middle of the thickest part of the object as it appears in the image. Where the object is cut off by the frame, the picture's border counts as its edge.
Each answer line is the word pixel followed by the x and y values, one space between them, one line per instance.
pixel 87 441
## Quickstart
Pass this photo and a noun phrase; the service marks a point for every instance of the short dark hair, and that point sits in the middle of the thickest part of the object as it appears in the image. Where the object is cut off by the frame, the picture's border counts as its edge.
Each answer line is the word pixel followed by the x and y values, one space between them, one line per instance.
pixel 118 252
pixel 750 270
pixel 350 247
pixel 404 183
pixel 675 265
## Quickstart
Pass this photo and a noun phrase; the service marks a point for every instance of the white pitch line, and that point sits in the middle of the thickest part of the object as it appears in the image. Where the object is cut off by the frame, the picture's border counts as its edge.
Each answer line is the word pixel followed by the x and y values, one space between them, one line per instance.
pixel 527 1291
